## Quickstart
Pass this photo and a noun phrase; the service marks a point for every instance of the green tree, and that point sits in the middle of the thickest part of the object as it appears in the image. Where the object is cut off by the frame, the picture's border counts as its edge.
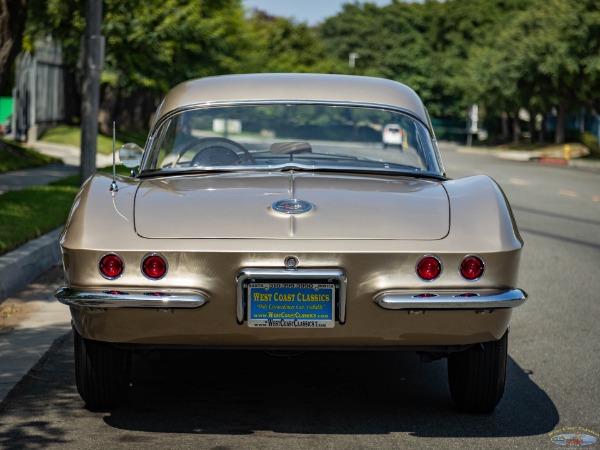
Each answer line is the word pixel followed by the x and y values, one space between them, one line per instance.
pixel 423 45
pixel 276 44
pixel 150 46
pixel 486 75
pixel 559 52
pixel 13 14
pixel 546 57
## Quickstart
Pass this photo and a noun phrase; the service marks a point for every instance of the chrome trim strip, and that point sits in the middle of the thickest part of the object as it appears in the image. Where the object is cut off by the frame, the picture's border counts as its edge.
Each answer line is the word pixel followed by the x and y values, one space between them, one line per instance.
pixel 130 298
pixel 485 299
pixel 290 274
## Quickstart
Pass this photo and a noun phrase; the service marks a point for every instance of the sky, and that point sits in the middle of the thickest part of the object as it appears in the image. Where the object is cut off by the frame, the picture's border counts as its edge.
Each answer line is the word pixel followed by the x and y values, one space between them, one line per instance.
pixel 309 11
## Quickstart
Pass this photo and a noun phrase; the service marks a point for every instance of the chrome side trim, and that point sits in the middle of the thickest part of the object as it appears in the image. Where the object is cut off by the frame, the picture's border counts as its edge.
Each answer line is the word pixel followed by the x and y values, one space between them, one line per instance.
pixel 130 298
pixel 482 299
pixel 291 274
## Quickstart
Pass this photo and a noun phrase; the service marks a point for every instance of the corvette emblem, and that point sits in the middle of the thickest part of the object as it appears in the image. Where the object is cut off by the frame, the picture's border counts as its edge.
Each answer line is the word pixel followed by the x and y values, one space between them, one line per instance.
pixel 292 206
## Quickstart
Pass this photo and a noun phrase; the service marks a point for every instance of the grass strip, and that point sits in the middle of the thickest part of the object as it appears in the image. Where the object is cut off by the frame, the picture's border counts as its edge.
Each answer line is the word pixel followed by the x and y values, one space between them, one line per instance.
pixel 17 157
pixel 31 213
pixel 70 135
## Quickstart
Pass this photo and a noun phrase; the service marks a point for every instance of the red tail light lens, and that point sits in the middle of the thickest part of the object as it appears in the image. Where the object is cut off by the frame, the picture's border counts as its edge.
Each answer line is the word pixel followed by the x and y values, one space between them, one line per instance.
pixel 154 267
pixel 111 266
pixel 429 268
pixel 472 268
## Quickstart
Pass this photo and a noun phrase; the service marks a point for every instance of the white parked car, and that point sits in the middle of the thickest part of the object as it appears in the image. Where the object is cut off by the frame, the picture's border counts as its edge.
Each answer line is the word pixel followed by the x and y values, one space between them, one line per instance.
pixel 392 135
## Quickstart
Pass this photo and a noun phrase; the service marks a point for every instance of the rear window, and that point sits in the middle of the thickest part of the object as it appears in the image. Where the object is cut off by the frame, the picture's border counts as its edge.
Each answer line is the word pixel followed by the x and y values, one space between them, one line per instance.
pixel 268 136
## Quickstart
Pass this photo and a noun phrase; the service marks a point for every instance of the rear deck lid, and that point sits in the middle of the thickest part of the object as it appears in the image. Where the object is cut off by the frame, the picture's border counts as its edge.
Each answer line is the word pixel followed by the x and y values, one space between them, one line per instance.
pixel 239 206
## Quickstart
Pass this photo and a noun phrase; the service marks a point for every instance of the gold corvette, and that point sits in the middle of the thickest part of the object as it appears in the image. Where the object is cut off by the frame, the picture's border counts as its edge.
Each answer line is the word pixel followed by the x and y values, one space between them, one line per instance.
pixel 265 213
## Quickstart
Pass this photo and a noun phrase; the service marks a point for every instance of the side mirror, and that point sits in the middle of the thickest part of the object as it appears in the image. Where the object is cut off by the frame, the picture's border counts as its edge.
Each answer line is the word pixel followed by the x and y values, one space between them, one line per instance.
pixel 130 155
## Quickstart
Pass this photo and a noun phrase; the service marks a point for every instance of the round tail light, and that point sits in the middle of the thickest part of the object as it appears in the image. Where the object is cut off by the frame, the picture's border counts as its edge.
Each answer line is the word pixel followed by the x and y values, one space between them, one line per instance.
pixel 111 266
pixel 154 267
pixel 429 268
pixel 471 268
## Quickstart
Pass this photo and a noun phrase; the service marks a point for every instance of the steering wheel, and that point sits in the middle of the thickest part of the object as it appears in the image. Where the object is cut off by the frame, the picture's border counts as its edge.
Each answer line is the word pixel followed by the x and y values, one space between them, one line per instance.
pixel 216 151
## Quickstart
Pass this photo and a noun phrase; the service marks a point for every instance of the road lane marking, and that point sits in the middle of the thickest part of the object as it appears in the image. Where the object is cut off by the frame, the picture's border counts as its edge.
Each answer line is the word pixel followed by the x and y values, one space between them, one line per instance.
pixel 518 181
pixel 568 193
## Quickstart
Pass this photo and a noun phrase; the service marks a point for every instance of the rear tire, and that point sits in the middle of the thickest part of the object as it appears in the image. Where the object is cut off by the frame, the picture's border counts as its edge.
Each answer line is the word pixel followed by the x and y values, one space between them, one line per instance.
pixel 101 372
pixel 477 376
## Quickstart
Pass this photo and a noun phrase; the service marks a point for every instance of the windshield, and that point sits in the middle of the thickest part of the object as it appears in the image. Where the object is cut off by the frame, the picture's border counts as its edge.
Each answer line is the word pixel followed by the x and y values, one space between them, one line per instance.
pixel 280 136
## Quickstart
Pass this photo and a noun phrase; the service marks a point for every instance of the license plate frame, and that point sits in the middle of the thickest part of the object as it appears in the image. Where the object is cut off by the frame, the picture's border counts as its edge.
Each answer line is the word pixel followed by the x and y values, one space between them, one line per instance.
pixel 291 304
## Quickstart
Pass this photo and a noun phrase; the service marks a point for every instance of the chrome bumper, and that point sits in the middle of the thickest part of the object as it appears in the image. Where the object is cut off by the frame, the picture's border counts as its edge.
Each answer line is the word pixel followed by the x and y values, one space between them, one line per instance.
pixel 130 298
pixel 479 300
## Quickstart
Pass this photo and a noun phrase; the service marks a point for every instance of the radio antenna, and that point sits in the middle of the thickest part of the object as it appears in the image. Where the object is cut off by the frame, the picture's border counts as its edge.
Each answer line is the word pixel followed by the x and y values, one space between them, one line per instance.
pixel 113 185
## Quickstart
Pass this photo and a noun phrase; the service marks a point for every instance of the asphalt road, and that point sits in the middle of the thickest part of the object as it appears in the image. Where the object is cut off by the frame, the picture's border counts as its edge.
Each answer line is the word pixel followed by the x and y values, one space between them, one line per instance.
pixel 227 400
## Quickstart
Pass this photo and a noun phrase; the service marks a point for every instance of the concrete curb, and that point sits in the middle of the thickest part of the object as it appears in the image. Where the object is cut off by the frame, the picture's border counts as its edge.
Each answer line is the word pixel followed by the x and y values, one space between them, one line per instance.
pixel 592 166
pixel 531 156
pixel 21 266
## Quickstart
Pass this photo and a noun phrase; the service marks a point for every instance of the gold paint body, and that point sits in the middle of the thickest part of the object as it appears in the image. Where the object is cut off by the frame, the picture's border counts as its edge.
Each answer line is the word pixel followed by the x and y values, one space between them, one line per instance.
pixel 372 227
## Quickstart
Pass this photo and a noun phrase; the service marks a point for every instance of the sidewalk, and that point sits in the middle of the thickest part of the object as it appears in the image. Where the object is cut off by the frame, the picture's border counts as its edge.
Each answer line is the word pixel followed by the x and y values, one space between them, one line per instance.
pixel 37 176
pixel 27 338
pixel 534 156
pixel 69 154
pixel 32 318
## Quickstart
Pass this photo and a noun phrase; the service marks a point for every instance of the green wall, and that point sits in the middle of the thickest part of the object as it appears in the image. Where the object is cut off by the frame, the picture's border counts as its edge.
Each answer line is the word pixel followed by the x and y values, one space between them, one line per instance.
pixel 6 106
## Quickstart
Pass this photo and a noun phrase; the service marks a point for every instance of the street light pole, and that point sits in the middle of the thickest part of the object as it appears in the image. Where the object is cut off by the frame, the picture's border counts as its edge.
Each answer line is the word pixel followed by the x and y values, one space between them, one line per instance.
pixel 93 57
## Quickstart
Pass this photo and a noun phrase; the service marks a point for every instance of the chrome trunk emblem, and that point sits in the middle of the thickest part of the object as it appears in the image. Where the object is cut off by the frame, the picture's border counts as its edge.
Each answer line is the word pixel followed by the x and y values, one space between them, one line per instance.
pixel 292 206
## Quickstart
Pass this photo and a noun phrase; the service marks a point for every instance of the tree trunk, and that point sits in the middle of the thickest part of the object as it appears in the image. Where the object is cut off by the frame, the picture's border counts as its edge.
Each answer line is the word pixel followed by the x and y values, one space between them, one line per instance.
pixel 13 14
pixel 72 96
pixel 505 132
pixel 561 118
pixel 531 127
pixel 516 127
pixel 541 137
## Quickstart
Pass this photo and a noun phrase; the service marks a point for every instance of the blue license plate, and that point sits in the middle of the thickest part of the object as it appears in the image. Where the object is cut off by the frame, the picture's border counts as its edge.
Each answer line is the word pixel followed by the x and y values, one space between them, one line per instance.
pixel 291 305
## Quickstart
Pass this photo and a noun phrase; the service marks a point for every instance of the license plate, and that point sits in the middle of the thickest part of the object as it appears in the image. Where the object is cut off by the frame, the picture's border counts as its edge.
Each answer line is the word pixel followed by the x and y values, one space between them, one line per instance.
pixel 291 305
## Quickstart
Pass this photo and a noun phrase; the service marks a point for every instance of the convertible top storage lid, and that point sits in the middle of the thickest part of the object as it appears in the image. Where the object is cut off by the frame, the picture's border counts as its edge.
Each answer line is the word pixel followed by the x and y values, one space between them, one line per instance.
pixel 239 206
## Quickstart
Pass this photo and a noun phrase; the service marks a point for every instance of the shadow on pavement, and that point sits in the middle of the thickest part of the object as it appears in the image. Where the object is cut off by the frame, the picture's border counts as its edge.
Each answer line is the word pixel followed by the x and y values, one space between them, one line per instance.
pixel 237 392
pixel 242 393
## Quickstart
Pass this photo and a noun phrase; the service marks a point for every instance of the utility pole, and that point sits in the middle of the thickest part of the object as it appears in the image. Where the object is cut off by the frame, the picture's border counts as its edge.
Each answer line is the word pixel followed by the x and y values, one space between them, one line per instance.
pixel 93 58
